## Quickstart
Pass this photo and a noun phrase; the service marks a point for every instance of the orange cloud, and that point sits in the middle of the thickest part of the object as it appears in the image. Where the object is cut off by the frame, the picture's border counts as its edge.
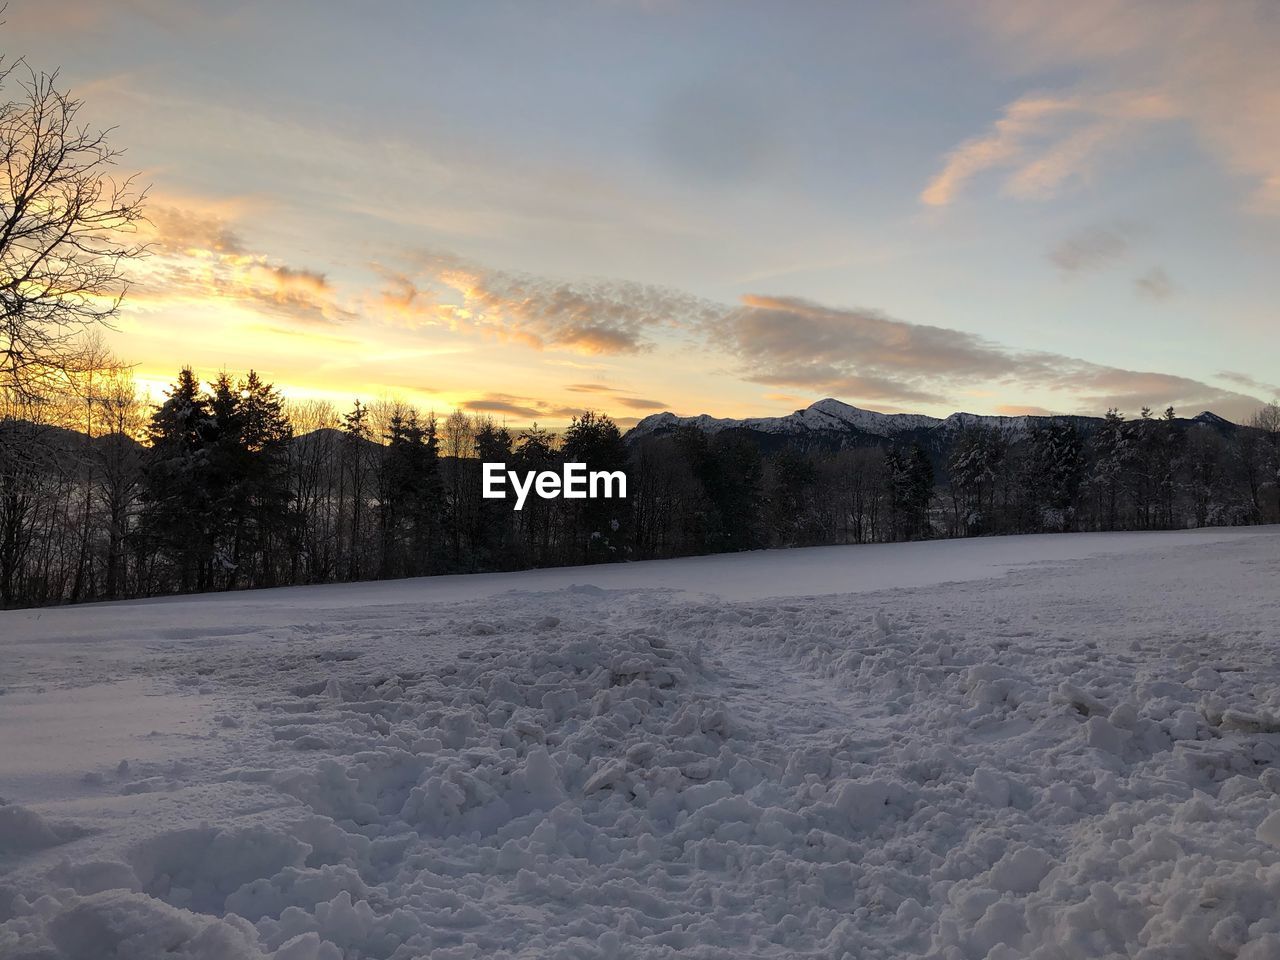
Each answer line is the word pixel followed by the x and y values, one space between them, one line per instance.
pixel 592 317
pixel 1045 140
pixel 1211 65
pixel 197 253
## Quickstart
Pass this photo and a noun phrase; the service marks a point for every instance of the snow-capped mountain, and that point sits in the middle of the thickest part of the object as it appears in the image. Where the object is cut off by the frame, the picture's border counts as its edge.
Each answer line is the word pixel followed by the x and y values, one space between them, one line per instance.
pixel 825 415
pixel 831 419
pixel 1209 418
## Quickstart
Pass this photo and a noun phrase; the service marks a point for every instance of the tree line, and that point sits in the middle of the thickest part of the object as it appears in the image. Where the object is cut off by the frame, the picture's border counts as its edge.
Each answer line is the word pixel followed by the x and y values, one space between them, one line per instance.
pixel 229 486
pixel 226 486
pixel 700 493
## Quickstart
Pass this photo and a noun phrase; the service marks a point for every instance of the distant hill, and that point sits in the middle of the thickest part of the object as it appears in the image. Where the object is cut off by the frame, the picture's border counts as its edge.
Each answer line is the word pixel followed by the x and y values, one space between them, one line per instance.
pixel 833 424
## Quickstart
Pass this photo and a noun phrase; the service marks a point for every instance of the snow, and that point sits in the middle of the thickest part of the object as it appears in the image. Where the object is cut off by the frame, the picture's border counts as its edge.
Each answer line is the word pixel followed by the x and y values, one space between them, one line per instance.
pixel 1051 747
pixel 837 416
pixel 826 414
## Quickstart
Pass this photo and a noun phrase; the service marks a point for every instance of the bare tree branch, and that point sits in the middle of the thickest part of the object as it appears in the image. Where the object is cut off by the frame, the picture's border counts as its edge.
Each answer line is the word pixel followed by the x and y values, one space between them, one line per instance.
pixel 66 234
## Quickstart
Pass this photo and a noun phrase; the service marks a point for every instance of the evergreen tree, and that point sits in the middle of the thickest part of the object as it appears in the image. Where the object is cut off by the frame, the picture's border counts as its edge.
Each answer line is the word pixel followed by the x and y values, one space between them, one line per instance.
pixel 794 481
pixel 260 494
pixel 1056 470
pixel 411 501
pixel 737 492
pixel 977 457
pixel 1111 456
pixel 356 435
pixel 594 439
pixel 536 529
pixel 178 509
pixel 1204 473
pixel 494 533
pixel 909 475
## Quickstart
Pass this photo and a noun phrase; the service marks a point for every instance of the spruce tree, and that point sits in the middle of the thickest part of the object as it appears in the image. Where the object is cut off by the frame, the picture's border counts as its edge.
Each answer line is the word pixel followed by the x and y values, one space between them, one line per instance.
pixel 494 531
pixel 594 439
pixel 356 436
pixel 177 502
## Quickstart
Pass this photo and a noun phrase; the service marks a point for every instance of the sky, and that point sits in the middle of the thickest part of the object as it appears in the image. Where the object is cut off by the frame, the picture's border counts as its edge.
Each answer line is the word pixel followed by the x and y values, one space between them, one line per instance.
pixel 733 208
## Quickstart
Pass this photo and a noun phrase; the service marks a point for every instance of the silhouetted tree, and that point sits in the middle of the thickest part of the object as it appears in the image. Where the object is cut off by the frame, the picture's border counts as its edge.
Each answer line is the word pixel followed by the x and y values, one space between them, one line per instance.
pixel 179 516
pixel 599 524
pixel 64 228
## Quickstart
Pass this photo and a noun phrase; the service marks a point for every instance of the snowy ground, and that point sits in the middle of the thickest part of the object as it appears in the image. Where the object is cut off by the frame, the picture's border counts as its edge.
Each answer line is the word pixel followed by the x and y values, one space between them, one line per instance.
pixel 1039 747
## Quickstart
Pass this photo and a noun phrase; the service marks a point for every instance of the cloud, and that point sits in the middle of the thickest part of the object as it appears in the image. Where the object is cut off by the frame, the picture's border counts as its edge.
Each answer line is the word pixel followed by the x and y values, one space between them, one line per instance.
pixel 1209 66
pixel 866 355
pixel 1022 410
pixel 492 405
pixel 197 253
pixel 1096 387
pixel 528 408
pixel 532 409
pixel 290 282
pixel 786 341
pixel 1092 249
pixel 1244 380
pixel 593 317
pixel 1045 140
pixel 639 403
pixel 1155 283
pixel 999 147
pixel 179 230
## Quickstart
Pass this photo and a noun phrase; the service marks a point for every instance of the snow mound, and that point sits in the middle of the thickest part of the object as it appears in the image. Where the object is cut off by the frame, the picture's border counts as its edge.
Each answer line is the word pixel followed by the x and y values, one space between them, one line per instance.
pixel 24 831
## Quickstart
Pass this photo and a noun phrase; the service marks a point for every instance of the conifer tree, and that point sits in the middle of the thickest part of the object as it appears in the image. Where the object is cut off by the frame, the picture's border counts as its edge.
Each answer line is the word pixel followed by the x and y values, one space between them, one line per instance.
pixel 178 507
pixel 494 533
pixel 1111 456
pixel 356 435
pixel 594 439
pixel 1056 466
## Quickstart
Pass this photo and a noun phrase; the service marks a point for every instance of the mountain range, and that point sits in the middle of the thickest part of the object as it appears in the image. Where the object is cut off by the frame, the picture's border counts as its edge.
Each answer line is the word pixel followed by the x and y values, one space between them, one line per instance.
pixel 833 423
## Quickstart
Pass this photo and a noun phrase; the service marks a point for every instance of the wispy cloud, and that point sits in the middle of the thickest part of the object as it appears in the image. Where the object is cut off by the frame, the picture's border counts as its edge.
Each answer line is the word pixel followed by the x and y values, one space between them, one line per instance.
pixel 1045 140
pixel 640 403
pixel 1210 66
pixel 197 253
pixel 788 342
pixel 1092 249
pixel 1155 284
pixel 613 395
pixel 1249 383
pixel 865 354
pixel 526 408
pixel 588 317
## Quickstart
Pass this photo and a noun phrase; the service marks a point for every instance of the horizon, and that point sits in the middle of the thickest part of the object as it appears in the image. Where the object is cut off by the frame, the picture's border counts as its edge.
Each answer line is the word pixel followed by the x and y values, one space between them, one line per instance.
pixel 383 408
pixel 1001 209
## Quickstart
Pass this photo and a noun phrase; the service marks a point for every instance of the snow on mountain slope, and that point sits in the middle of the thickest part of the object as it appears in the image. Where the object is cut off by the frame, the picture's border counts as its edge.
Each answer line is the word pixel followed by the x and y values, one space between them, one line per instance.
pixel 1050 758
pixel 827 416
pixel 824 415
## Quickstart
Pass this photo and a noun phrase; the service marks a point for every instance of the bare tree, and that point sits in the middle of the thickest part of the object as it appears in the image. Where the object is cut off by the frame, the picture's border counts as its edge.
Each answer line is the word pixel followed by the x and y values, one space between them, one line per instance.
pixel 122 415
pixel 66 228
pixel 1267 421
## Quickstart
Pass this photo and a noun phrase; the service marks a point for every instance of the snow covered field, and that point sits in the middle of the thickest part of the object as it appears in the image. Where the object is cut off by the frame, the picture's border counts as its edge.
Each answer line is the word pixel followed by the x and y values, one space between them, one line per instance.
pixel 1039 747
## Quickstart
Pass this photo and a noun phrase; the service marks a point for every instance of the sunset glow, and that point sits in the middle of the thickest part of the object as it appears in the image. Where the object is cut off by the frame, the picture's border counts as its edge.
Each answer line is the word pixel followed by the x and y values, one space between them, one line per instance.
pixel 994 207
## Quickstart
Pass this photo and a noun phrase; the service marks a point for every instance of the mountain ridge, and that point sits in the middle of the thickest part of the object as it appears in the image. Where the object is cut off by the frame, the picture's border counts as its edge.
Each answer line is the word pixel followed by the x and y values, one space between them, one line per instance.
pixel 830 416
